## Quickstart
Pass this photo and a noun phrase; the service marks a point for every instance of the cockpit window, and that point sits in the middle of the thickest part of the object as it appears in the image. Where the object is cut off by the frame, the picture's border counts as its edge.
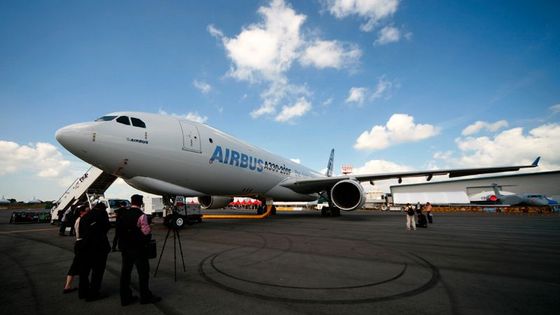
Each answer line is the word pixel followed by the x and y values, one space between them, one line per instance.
pixel 137 122
pixel 123 120
pixel 105 118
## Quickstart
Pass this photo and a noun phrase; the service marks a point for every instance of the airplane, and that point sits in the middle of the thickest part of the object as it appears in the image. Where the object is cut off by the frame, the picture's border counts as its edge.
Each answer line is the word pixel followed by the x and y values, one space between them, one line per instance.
pixel 510 199
pixel 170 156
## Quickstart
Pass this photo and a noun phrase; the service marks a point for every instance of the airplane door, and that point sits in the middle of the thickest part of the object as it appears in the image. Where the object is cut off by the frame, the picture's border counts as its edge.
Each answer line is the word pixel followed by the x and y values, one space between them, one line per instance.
pixel 191 138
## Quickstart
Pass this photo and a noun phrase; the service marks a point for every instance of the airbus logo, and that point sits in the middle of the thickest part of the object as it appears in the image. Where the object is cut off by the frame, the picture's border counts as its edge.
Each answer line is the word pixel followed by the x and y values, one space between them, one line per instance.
pixel 238 159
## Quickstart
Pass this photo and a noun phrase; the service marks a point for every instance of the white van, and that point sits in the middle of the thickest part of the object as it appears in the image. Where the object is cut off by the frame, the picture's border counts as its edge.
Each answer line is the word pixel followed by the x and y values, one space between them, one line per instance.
pixel 153 206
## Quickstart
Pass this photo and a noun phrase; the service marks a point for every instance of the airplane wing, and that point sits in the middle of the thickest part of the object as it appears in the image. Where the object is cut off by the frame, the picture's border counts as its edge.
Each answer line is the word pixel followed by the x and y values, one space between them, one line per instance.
pixel 310 185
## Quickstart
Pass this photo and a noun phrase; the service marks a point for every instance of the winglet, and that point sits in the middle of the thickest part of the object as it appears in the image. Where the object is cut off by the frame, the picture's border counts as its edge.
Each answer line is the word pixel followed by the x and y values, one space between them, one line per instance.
pixel 536 162
pixel 330 165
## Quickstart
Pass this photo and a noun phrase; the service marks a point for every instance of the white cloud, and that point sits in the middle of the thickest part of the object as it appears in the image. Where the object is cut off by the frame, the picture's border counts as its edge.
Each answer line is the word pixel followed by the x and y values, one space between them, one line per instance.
pixel 555 108
pixel 509 147
pixel 388 34
pixel 357 95
pixel 279 92
pixel 264 52
pixel 372 10
pixel 480 125
pixel 120 189
pixel 446 155
pixel 381 89
pixel 189 116
pixel 42 158
pixel 298 161
pixel 215 32
pixel 513 147
pixel 196 117
pixel 301 107
pixel 383 166
pixel 400 128
pixel 329 54
pixel 202 86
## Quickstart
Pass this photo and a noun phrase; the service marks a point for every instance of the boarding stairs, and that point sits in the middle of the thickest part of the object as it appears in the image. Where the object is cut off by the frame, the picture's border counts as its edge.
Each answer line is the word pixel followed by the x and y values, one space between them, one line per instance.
pixel 87 188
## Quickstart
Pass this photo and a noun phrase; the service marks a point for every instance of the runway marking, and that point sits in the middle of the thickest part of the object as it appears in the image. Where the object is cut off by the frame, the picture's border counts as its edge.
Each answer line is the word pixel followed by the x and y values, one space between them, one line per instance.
pixel 24 231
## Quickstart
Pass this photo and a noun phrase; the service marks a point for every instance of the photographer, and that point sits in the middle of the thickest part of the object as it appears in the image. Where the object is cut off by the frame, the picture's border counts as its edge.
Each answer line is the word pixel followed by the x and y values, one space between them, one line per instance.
pixel 134 233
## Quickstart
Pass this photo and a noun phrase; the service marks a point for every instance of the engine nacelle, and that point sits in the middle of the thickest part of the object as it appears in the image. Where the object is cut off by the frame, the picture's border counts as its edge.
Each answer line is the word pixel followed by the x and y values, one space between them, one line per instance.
pixel 348 195
pixel 214 202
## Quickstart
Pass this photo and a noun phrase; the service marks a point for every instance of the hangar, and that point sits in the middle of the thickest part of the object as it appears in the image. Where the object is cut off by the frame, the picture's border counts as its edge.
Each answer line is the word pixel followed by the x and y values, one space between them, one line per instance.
pixel 466 190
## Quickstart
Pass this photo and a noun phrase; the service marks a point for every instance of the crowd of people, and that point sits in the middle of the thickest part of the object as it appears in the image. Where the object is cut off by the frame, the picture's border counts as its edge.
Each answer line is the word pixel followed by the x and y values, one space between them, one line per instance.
pixel 92 247
pixel 415 216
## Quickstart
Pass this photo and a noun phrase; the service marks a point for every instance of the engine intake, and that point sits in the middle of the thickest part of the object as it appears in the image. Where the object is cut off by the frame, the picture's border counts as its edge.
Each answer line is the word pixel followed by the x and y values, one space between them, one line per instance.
pixel 348 195
pixel 214 202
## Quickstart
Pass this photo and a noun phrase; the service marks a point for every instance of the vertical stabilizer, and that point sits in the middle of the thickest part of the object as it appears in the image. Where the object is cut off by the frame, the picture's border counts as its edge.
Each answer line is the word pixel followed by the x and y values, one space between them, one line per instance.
pixel 330 165
pixel 496 189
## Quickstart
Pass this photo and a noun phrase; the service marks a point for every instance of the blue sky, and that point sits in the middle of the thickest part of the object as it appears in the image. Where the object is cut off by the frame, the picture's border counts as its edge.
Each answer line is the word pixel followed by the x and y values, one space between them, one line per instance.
pixel 390 84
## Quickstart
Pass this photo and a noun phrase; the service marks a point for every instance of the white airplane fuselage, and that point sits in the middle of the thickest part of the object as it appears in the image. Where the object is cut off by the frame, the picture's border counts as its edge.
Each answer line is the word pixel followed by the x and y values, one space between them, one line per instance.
pixel 181 157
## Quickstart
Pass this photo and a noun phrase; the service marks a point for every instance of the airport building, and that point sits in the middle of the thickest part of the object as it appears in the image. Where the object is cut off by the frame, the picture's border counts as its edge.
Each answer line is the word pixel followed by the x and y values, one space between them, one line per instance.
pixel 463 191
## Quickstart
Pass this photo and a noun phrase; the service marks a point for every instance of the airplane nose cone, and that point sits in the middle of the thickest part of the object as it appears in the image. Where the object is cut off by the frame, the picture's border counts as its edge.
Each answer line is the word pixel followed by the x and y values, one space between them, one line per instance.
pixel 66 136
pixel 74 137
pixel 61 135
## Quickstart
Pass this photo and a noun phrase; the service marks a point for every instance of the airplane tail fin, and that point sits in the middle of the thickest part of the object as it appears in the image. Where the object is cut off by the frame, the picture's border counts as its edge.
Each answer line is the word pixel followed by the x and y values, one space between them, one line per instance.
pixel 330 165
pixel 496 189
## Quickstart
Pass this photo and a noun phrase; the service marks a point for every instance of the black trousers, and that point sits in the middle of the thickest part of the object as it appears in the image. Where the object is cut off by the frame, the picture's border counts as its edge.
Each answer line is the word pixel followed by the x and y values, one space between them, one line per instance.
pixel 131 258
pixel 62 228
pixel 91 263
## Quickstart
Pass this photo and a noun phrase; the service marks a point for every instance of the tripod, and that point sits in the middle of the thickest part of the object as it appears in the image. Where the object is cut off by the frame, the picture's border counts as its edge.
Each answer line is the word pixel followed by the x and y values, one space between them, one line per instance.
pixel 176 238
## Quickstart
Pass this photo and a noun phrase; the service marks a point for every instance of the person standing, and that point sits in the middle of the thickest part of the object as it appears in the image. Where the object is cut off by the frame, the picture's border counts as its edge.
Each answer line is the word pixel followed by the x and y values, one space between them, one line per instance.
pixel 93 228
pixel 421 221
pixel 66 221
pixel 74 270
pixel 122 207
pixel 428 209
pixel 410 221
pixel 134 234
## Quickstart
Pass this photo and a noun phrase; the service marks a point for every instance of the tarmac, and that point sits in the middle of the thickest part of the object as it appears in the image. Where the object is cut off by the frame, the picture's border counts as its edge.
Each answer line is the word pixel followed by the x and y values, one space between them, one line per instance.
pixel 364 262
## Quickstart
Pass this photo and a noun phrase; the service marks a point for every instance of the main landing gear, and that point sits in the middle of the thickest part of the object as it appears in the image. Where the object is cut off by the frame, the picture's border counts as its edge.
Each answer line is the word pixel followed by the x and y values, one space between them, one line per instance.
pixel 330 211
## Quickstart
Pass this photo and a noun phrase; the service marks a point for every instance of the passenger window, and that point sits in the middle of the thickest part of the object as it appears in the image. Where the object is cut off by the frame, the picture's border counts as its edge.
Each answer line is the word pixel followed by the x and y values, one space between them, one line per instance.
pixel 123 120
pixel 138 123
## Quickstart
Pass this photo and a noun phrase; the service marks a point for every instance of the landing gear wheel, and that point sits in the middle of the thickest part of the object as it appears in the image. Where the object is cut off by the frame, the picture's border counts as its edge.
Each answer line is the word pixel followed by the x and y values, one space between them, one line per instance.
pixel 176 221
pixel 335 212
pixel 325 212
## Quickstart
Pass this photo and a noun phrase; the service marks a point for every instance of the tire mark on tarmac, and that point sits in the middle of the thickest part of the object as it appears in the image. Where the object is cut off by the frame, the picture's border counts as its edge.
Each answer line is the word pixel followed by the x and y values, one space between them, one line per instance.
pixel 452 298
pixel 400 274
pixel 431 283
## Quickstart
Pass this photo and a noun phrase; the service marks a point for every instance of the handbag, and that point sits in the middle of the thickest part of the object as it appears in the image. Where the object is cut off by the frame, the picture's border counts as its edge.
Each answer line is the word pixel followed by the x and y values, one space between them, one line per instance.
pixel 151 249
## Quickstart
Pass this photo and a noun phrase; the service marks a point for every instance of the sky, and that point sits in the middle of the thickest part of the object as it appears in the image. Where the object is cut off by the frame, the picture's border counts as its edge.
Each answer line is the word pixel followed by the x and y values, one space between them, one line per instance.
pixel 390 84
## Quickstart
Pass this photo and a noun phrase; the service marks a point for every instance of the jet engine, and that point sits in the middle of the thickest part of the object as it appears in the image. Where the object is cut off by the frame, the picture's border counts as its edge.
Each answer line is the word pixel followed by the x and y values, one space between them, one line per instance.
pixel 214 202
pixel 348 195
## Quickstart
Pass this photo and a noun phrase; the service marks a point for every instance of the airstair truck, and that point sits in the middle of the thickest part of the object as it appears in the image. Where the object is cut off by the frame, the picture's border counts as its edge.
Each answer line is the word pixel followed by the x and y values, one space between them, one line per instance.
pixel 87 188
